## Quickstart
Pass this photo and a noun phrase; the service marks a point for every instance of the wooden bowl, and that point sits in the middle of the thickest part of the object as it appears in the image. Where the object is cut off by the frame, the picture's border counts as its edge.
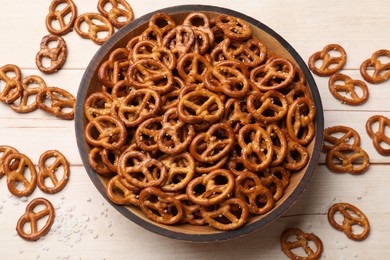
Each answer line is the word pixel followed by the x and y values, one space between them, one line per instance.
pixel 274 43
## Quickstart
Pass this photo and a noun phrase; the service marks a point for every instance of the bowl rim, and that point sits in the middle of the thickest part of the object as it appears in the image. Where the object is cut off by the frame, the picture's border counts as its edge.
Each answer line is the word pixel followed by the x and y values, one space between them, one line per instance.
pixel 224 235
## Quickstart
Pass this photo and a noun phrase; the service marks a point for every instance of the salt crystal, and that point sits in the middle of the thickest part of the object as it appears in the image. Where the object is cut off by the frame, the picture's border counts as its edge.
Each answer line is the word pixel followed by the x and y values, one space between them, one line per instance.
pixel 21 251
pixel 54 227
pixel 23 199
pixel 66 232
pixel 85 218
pixel 78 239
pixel 58 204
pixel 59 201
pixel 69 208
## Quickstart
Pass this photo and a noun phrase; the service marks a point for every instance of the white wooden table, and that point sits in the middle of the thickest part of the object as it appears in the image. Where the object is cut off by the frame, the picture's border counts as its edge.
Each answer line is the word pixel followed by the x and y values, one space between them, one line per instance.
pixel 87 227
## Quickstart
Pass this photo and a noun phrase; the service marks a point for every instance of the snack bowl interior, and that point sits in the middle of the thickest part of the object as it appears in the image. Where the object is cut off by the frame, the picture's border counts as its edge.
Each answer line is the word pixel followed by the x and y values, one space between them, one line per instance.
pixel 299 180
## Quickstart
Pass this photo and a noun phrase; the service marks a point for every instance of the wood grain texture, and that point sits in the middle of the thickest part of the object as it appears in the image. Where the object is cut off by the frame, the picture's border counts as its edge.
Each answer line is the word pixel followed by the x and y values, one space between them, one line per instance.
pixel 92 229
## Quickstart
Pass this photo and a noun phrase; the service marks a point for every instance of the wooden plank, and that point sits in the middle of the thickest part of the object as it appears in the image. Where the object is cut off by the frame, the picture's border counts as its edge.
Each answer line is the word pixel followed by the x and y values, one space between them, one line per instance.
pixel 377 100
pixel 86 222
pixel 298 23
pixel 34 141
pixel 39 128
pixel 327 188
